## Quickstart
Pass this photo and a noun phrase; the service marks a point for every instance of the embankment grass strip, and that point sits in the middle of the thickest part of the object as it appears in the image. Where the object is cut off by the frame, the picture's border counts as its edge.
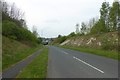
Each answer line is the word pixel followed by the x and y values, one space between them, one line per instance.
pixel 37 68
pixel 108 54
pixel 10 59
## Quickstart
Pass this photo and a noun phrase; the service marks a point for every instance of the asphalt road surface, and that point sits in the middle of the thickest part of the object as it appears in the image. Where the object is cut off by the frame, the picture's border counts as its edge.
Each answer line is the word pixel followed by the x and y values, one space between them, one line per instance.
pixel 65 63
pixel 13 71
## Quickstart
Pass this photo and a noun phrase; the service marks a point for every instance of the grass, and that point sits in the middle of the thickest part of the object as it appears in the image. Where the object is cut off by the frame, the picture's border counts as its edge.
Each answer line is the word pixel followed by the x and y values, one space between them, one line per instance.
pixel 0 53
pixel 37 68
pixel 14 51
pixel 108 54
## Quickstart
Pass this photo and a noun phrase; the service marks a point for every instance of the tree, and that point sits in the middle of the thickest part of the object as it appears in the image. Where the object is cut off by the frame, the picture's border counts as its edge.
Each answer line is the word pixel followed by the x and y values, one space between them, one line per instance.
pixel 23 23
pixel 77 28
pixel 39 40
pixel 14 27
pixel 4 7
pixel 59 36
pixel 34 30
pixel 91 22
pixel 15 12
pixel 83 28
pixel 72 34
pixel 99 27
pixel 114 14
pixel 104 14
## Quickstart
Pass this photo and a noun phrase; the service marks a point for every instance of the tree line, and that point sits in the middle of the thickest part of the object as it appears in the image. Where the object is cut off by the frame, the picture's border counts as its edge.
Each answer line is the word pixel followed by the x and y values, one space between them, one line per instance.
pixel 109 20
pixel 14 25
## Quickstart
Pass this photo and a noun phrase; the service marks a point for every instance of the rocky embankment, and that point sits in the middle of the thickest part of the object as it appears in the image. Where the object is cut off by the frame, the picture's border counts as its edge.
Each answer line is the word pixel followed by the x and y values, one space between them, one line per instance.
pixel 105 41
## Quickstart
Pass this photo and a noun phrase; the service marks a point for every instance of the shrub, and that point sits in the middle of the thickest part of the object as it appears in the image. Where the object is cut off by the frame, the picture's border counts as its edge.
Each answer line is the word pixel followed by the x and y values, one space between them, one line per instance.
pixel 107 44
pixel 11 30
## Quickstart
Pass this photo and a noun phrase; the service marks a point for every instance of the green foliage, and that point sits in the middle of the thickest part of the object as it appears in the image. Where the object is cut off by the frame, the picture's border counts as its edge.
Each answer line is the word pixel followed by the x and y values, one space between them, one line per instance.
pixel 104 11
pixel 8 28
pixel 114 13
pixel 14 51
pixel 72 34
pixel 15 27
pixel 11 30
pixel 104 15
pixel 37 68
pixel 107 22
pixel 109 54
pixel 61 39
pixel 39 40
pixel 5 17
pixel 109 44
pixel 84 28
pixel 59 36
pixel 99 27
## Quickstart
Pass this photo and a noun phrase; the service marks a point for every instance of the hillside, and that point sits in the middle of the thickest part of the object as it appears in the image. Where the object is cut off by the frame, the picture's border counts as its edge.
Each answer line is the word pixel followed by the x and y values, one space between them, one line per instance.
pixel 103 45
pixel 106 41
pixel 18 41
pixel 13 51
pixel 0 53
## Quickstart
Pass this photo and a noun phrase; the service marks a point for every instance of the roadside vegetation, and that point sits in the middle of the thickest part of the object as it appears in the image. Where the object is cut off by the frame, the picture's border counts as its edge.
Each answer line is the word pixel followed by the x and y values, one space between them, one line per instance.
pixel 98 35
pixel 14 51
pixel 108 21
pixel 18 41
pixel 14 26
pixel 37 68
pixel 0 53
pixel 100 52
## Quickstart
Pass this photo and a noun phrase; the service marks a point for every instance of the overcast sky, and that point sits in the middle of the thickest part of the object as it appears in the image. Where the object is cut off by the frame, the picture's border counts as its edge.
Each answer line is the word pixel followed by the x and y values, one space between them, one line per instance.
pixel 54 17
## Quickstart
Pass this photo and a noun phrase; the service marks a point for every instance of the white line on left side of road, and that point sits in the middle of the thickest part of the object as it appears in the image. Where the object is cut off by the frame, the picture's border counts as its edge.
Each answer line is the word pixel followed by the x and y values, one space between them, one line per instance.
pixel 88 64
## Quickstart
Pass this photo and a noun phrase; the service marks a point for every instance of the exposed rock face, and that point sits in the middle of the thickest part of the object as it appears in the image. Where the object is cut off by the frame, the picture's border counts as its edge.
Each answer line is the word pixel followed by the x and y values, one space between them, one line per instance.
pixel 65 42
pixel 94 41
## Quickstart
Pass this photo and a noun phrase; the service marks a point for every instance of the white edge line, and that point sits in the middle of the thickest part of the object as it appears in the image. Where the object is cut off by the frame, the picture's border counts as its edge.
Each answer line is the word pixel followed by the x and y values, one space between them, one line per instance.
pixel 88 64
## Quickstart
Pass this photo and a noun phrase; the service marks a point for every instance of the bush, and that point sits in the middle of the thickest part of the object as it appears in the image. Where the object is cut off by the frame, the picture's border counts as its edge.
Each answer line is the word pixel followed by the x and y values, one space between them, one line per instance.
pixel 8 28
pixel 62 39
pixel 107 44
pixel 72 34
pixel 11 30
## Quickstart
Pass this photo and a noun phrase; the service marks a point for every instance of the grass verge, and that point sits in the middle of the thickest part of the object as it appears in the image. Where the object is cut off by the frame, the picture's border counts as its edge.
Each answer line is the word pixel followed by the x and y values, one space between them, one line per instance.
pixel 14 51
pixel 37 68
pixel 8 61
pixel 108 54
pixel 0 53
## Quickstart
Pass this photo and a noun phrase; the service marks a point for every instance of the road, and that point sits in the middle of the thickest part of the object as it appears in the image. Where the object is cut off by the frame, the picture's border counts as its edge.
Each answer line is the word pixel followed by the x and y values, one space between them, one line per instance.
pixel 13 71
pixel 65 63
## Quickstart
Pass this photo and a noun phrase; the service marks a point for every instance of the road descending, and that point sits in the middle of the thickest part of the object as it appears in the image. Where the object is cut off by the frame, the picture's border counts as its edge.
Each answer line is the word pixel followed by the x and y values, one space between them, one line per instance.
pixel 65 63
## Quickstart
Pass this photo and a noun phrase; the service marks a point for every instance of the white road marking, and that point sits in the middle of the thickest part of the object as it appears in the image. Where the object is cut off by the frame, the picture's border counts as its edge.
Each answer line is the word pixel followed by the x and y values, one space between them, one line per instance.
pixel 88 64
pixel 65 52
pixel 85 63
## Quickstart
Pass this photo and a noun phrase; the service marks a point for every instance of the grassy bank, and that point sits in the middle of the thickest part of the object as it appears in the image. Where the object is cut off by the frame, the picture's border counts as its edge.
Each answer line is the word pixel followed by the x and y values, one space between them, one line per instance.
pixel 14 51
pixel 108 54
pixel 37 68
pixel 0 53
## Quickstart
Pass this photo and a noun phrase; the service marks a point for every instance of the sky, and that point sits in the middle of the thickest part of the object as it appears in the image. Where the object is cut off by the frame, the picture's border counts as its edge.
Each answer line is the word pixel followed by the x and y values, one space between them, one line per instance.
pixel 54 17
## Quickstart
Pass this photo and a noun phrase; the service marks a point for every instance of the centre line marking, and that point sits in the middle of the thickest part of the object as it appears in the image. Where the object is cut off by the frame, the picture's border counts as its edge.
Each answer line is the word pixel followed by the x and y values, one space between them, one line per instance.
pixel 65 52
pixel 88 64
